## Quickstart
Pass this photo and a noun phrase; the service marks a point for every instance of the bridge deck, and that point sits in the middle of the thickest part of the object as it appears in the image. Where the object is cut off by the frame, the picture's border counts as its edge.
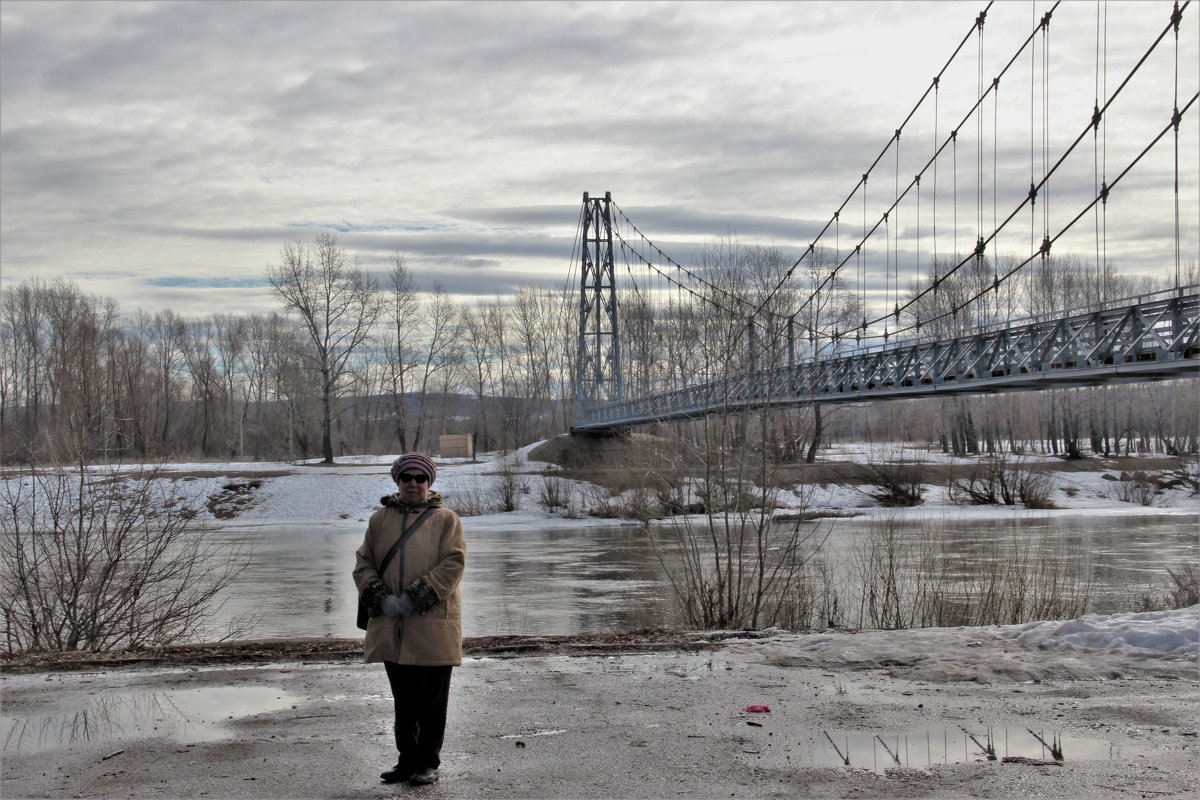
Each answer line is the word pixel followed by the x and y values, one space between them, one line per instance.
pixel 1158 339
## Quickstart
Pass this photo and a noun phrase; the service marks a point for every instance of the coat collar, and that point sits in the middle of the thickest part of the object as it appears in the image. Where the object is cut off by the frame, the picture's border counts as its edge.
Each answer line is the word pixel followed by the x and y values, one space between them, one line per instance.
pixel 393 501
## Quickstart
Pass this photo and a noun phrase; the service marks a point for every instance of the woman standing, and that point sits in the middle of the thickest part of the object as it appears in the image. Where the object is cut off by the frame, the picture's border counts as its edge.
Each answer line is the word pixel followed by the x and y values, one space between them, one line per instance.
pixel 415 625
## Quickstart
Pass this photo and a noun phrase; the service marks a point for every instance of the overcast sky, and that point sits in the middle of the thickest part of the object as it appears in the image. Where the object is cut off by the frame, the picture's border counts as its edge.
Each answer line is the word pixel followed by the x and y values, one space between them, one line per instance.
pixel 161 153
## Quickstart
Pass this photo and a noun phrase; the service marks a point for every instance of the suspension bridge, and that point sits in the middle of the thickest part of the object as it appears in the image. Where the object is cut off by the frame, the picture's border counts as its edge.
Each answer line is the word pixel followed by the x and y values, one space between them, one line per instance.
pixel 873 309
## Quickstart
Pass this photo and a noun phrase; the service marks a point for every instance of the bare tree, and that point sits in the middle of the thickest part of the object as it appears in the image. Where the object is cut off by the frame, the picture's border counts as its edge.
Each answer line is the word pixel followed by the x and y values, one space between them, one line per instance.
pixel 129 364
pixel 166 333
pixel 24 345
pixel 535 316
pixel 265 342
pixel 230 342
pixel 199 354
pixel 440 327
pixel 499 326
pixel 99 560
pixel 293 389
pixel 403 310
pixel 481 361
pixel 80 327
pixel 337 304
pixel 738 565
pixel 825 318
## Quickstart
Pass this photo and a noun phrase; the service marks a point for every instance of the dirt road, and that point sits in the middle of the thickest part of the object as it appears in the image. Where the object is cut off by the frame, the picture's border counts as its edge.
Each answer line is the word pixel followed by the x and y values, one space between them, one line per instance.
pixel 629 724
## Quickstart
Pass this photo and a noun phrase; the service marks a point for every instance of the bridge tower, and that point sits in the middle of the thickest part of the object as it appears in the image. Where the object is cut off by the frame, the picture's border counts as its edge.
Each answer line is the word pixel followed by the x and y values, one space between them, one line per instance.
pixel 598 357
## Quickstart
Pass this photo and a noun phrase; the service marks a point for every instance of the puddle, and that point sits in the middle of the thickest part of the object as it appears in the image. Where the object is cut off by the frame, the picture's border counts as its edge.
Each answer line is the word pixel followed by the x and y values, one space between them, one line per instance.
pixel 540 732
pixel 185 716
pixel 686 666
pixel 883 751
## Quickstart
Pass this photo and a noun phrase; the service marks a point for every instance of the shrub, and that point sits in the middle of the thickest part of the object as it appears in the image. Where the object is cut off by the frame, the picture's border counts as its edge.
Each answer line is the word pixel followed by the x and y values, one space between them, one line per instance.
pixel 896 485
pixel 1136 488
pixel 1035 490
pixel 641 504
pixel 106 560
pixel 508 486
pixel 906 578
pixel 984 486
pixel 600 504
pixel 1185 591
pixel 1186 477
pixel 472 503
pixel 999 481
pixel 554 493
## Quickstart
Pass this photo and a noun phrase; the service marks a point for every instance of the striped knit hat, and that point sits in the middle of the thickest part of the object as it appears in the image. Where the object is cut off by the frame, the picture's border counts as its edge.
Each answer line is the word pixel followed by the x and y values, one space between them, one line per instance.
pixel 414 462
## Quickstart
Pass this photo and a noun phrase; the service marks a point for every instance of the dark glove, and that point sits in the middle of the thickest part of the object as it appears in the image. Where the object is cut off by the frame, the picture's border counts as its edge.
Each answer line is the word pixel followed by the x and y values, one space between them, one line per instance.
pixel 395 606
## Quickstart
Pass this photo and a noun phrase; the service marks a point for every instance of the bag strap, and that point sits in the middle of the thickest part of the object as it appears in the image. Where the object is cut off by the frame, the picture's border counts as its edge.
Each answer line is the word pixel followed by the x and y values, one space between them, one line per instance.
pixel 404 535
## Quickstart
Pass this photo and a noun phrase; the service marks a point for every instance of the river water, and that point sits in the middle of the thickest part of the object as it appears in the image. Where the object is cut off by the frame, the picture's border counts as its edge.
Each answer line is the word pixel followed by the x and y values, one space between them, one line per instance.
pixel 546 581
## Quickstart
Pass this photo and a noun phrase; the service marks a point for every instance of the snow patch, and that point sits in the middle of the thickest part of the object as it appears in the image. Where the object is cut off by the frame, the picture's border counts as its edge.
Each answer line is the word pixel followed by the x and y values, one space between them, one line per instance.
pixel 1172 632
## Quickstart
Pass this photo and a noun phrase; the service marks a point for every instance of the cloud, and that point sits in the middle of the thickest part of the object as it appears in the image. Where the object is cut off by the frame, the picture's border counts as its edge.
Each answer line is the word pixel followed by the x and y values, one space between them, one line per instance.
pixel 471 284
pixel 184 282
pixel 196 138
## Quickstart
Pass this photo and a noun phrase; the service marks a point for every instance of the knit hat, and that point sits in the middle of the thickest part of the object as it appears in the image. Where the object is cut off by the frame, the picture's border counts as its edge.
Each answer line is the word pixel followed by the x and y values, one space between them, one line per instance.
pixel 416 462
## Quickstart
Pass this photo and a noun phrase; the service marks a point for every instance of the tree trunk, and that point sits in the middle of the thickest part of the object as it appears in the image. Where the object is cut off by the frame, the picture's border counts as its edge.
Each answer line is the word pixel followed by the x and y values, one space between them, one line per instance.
pixel 326 424
pixel 818 431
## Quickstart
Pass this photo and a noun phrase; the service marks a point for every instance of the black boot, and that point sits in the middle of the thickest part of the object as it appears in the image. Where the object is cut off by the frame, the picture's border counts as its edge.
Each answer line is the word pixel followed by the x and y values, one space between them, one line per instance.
pixel 404 768
pixel 399 773
pixel 424 777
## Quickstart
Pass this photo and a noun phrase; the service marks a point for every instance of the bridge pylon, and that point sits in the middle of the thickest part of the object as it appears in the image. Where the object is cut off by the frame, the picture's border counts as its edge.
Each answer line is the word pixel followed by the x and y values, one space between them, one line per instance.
pixel 598 354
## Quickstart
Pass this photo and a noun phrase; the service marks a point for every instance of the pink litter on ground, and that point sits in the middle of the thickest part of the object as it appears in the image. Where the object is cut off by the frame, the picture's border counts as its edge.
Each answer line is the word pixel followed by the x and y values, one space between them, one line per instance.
pixel 757 709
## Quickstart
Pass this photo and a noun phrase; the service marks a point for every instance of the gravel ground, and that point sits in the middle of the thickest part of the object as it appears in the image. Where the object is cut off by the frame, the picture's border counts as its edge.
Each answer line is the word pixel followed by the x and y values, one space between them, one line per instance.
pixel 621 721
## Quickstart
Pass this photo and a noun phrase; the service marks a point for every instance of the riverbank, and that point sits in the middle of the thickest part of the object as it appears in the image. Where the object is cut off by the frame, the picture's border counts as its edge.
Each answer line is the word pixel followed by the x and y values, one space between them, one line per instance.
pixel 252 494
pixel 312 650
pixel 915 712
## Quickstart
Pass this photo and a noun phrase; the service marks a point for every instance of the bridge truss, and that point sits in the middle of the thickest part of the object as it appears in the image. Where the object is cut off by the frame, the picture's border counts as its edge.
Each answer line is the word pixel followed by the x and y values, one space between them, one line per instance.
pixel 1154 339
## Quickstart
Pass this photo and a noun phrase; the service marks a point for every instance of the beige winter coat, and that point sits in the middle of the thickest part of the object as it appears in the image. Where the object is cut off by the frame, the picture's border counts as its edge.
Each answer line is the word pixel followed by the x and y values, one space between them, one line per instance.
pixel 433 559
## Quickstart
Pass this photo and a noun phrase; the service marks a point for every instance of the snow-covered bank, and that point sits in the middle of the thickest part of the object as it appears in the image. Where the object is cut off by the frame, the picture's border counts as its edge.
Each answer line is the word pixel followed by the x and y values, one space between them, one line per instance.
pixel 1174 632
pixel 344 494
pixel 1094 647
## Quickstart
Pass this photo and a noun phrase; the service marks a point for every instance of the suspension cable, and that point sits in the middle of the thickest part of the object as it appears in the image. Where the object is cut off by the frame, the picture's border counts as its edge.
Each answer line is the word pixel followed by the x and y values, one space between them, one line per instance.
pixel 951 140
pixel 678 267
pixel 1032 152
pixel 935 176
pixel 979 128
pixel 1039 187
pixel 932 87
pixel 1176 18
pixel 1045 249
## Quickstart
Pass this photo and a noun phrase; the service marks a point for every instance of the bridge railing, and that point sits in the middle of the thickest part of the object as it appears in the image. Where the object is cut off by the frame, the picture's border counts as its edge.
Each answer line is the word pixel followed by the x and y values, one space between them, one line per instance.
pixel 1153 339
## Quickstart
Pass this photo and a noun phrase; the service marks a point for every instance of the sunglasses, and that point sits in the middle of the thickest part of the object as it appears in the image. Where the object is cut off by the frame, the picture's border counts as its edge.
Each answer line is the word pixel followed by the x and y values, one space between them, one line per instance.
pixel 408 477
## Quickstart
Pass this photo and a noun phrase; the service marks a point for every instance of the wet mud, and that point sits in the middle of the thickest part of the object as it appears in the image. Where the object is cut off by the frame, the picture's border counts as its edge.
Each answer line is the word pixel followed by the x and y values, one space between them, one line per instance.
pixel 675 723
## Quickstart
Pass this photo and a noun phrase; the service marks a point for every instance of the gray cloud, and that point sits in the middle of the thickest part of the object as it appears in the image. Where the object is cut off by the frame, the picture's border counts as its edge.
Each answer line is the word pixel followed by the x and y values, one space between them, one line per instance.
pixel 193 139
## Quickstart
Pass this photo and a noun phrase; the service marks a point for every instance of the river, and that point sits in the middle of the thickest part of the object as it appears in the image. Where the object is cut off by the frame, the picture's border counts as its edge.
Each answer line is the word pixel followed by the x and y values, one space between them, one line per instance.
pixel 546 581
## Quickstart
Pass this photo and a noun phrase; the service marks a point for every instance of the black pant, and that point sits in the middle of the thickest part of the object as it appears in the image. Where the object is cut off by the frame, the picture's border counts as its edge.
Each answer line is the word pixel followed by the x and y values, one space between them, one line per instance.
pixel 421 695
